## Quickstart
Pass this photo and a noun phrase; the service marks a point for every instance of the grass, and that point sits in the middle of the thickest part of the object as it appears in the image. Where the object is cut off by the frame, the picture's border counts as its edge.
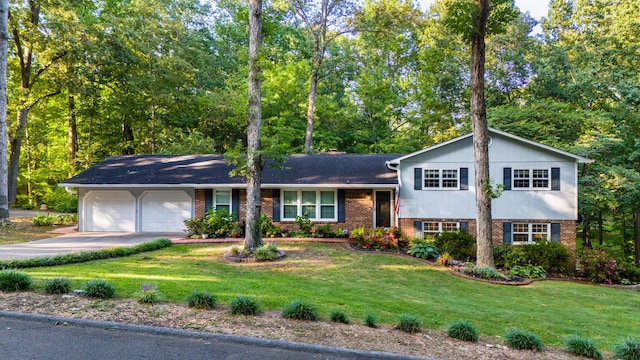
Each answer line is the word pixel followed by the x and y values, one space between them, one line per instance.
pixel 361 283
pixel 22 230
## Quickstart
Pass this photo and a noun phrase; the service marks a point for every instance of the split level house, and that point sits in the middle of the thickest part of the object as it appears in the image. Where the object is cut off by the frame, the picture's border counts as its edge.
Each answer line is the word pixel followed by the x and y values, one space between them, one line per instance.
pixel 422 193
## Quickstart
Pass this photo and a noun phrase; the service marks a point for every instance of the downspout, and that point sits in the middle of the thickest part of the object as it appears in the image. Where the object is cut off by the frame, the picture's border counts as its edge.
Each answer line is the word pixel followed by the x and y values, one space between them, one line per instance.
pixel 394 167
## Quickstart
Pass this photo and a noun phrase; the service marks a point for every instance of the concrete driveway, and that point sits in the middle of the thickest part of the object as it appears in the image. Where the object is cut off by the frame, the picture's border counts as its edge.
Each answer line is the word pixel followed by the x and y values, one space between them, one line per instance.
pixel 76 242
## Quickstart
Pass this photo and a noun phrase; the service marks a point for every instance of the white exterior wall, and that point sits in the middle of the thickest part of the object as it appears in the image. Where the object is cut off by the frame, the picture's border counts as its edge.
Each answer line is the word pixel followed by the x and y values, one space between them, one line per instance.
pixel 513 204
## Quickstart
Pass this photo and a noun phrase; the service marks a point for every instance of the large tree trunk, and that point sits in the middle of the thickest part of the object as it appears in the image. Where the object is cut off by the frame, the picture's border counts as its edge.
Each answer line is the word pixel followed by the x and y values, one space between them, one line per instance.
pixel 72 133
pixel 636 236
pixel 308 140
pixel 253 235
pixel 480 142
pixel 4 45
pixel 14 156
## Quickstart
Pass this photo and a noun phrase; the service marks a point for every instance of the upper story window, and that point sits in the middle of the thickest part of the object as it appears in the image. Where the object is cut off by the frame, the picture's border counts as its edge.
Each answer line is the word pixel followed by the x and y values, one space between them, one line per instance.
pixel 529 233
pixel 316 204
pixel 445 179
pixel 222 200
pixel 531 178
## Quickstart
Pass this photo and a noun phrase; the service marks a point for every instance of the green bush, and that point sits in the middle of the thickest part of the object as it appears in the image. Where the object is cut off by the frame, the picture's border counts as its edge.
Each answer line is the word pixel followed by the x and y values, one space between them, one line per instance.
pixel 61 201
pixel 462 330
pixel 552 256
pixel 201 299
pixel 59 285
pixel 628 350
pixel 528 271
pixel 101 289
pixel 598 267
pixel 424 251
pixel 482 272
pixel 523 340
pixel 300 310
pixel 84 256
pixel 14 280
pixel 408 323
pixel 268 229
pixel 459 244
pixel 267 252
pixel 244 305
pixel 148 294
pixel 370 320
pixel 338 316
pixel 43 220
pixel 48 220
pixel 304 224
pixel 577 345
pixel 323 231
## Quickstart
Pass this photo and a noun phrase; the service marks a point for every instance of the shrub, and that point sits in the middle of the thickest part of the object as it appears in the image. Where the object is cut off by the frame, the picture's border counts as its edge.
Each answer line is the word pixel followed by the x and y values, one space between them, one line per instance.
pixel 14 280
pixel 424 251
pixel 195 226
pixel 628 350
pixel 59 285
pixel 462 330
pixel 101 289
pixel 148 294
pixel 370 320
pixel 304 224
pixel 201 299
pixel 408 323
pixel 244 305
pixel 598 267
pixel 43 220
pixel 268 228
pixel 61 201
pixel 322 231
pixel 459 244
pixel 552 256
pixel 483 272
pixel 338 316
pixel 358 233
pixel 300 310
pixel 267 252
pixel 221 223
pixel 577 345
pixel 528 271
pixel 523 340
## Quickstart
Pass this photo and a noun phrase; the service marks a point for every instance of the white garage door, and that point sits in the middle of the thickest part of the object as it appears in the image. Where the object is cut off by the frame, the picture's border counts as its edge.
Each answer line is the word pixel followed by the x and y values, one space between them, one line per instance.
pixel 113 210
pixel 164 211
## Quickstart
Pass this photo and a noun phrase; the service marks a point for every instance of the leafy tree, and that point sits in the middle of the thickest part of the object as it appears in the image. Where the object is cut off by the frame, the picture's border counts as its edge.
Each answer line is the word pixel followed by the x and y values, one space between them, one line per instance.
pixel 4 44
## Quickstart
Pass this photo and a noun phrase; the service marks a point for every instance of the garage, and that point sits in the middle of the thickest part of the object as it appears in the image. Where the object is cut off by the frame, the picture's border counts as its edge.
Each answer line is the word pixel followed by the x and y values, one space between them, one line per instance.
pixel 164 211
pixel 113 210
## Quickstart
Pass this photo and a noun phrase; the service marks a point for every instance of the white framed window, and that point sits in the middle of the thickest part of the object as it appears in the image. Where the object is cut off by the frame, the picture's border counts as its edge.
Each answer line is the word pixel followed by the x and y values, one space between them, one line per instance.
pixel 222 200
pixel 431 229
pixel 529 233
pixel 319 205
pixel 531 178
pixel 441 178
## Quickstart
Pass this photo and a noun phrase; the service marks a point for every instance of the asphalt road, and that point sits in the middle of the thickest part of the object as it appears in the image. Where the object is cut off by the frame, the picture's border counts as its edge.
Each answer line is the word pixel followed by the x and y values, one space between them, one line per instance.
pixel 24 336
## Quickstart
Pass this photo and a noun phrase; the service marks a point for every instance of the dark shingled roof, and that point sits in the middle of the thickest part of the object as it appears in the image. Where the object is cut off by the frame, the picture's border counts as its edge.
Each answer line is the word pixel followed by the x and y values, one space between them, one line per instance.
pixel 328 168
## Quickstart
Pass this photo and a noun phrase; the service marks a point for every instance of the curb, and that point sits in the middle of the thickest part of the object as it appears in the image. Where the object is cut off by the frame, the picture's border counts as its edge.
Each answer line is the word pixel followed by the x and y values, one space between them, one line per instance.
pixel 279 344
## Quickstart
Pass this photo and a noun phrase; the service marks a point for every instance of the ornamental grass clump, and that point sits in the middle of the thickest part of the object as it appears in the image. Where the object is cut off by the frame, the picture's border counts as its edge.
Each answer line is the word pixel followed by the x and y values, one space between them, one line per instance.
pixel 59 285
pixel 338 316
pixel 628 350
pixel 523 340
pixel 101 289
pixel 370 320
pixel 14 280
pixel 580 346
pixel 244 305
pixel 300 310
pixel 148 294
pixel 408 323
pixel 462 330
pixel 201 299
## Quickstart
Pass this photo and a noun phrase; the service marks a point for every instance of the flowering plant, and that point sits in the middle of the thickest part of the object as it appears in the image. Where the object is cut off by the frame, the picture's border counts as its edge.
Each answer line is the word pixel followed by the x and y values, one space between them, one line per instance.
pixel 599 268
pixel 148 294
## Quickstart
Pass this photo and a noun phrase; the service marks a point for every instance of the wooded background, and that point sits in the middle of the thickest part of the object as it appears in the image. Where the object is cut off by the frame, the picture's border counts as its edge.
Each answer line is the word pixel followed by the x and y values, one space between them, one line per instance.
pixel 90 79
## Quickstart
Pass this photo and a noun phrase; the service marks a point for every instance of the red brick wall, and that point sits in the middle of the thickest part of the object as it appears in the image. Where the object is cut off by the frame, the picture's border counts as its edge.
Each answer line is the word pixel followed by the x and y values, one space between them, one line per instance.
pixel 199 203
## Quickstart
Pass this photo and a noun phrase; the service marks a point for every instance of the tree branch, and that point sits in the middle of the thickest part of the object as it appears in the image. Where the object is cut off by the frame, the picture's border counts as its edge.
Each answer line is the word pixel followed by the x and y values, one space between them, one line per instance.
pixel 42 98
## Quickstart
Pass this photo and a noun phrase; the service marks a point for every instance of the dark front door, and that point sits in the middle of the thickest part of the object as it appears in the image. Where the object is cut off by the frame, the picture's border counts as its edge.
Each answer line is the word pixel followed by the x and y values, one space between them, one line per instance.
pixel 383 209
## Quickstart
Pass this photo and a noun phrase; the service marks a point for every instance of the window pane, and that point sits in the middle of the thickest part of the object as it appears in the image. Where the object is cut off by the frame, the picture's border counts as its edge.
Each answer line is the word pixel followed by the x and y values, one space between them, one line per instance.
pixel 222 197
pixel 327 197
pixel 449 226
pixel 223 207
pixel 521 228
pixel 449 178
pixel 520 238
pixel 309 210
pixel 430 226
pixel 308 198
pixel 290 198
pixel 432 178
pixel 540 178
pixel 521 178
pixel 327 212
pixel 290 211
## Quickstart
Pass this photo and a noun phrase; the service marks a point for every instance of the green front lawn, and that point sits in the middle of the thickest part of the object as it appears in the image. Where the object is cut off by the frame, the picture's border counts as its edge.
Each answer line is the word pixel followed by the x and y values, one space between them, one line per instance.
pixel 332 277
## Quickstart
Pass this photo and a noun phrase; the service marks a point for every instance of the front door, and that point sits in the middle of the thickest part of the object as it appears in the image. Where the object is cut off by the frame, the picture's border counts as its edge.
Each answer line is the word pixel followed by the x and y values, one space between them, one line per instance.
pixel 383 209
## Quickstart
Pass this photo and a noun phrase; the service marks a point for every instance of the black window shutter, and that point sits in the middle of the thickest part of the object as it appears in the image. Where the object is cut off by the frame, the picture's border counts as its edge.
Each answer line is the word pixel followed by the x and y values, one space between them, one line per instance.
pixel 464 178
pixel 464 226
pixel 417 178
pixel 506 232
pixel 341 206
pixel 417 225
pixel 555 232
pixel 208 199
pixel 235 203
pixel 506 174
pixel 276 205
pixel 555 178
